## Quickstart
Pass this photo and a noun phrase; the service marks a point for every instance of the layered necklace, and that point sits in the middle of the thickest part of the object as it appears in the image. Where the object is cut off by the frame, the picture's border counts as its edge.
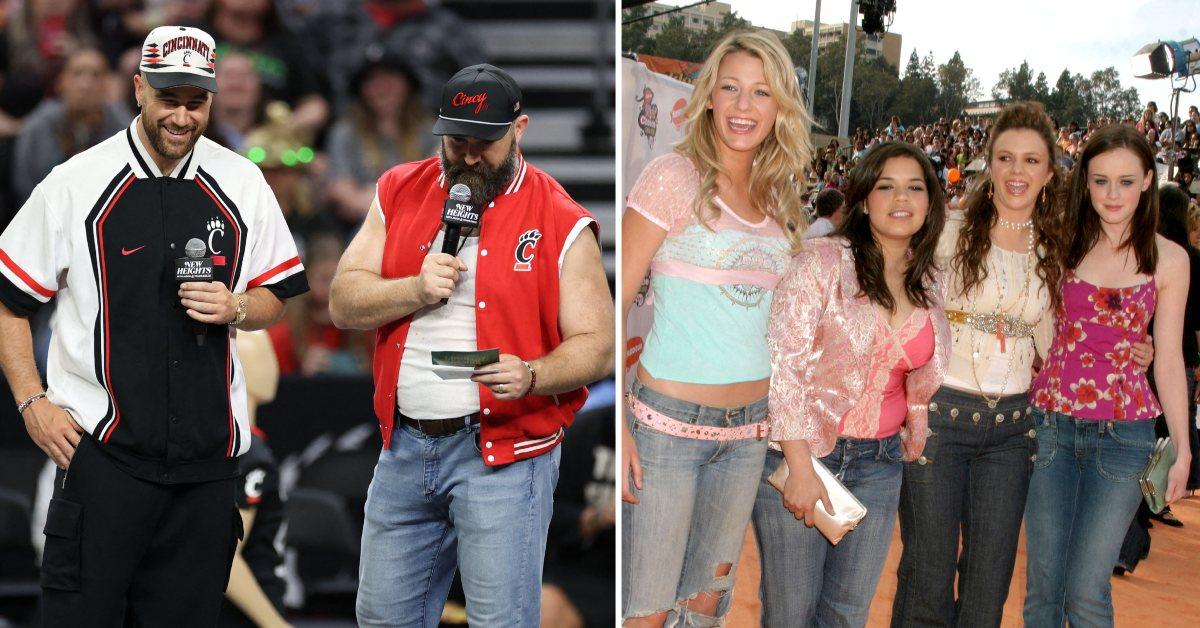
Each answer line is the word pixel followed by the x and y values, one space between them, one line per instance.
pixel 1015 308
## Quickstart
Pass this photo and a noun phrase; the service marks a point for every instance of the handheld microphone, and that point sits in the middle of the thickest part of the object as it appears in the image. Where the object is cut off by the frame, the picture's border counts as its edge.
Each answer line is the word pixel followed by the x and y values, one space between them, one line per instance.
pixel 457 213
pixel 196 266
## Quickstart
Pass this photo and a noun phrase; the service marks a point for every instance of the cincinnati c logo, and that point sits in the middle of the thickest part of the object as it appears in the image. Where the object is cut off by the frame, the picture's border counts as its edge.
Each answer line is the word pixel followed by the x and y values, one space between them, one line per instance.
pixel 524 251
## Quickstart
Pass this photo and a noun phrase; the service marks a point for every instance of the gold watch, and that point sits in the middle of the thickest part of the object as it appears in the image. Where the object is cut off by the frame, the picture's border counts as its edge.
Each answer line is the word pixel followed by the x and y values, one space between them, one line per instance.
pixel 239 312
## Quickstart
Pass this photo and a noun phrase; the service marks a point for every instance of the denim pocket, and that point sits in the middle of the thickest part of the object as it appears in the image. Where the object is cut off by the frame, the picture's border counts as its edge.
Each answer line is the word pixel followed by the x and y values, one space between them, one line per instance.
pixel 1123 449
pixel 61 559
pixel 1045 438
pixel 921 469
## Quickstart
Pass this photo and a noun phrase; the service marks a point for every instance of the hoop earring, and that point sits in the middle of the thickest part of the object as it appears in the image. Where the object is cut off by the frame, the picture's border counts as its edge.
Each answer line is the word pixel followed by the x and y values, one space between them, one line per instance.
pixel 991 186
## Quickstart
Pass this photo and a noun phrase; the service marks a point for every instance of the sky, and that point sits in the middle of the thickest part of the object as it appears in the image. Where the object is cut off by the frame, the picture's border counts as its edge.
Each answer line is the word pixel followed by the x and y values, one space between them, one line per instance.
pixel 1081 35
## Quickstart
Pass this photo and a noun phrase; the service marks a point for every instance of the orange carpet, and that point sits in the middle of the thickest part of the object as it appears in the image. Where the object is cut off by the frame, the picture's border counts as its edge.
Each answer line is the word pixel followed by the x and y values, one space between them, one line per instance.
pixel 1168 579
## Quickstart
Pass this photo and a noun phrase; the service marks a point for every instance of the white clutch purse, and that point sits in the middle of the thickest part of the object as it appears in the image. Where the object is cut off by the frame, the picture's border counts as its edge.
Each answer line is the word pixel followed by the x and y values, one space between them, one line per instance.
pixel 850 511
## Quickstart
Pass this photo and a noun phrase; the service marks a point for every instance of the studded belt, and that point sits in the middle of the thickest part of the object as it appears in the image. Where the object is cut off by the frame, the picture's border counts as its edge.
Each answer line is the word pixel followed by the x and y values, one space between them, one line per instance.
pixel 662 423
pixel 1008 326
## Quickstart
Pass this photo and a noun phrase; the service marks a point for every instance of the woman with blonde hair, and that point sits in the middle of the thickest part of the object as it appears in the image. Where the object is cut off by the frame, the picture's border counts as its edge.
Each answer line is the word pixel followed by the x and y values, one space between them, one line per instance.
pixel 715 222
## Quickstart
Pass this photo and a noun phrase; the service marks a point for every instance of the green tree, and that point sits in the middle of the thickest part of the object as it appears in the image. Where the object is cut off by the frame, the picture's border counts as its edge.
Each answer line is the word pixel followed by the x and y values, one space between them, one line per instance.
pixel 916 100
pixel 1108 98
pixel 704 42
pixel 875 88
pixel 1068 101
pixel 675 41
pixel 635 36
pixel 957 86
pixel 1015 84
pixel 1041 89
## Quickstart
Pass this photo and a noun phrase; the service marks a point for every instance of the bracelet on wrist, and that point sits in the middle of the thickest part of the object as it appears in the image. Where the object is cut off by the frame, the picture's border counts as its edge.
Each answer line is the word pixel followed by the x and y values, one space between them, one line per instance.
pixel 239 313
pixel 532 378
pixel 29 402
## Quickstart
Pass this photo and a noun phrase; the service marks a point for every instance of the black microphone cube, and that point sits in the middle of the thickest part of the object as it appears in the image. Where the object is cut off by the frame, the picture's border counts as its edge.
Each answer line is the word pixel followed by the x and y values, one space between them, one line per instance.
pixel 193 269
pixel 460 213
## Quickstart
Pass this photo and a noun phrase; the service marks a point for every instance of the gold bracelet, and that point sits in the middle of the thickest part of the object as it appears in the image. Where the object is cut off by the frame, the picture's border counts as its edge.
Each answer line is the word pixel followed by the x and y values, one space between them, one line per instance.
pixel 532 378
pixel 239 313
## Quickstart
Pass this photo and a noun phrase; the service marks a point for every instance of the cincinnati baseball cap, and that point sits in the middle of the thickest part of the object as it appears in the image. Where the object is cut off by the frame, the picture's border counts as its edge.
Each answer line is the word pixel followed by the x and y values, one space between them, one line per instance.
pixel 179 55
pixel 479 101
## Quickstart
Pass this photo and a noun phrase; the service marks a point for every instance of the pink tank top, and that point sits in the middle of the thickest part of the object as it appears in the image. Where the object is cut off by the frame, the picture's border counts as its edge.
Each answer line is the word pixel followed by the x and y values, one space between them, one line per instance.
pixel 883 407
pixel 1090 371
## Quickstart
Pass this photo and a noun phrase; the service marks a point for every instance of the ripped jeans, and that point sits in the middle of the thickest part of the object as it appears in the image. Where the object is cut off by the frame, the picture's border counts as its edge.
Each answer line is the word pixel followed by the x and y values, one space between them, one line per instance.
pixel 684 537
pixel 805 580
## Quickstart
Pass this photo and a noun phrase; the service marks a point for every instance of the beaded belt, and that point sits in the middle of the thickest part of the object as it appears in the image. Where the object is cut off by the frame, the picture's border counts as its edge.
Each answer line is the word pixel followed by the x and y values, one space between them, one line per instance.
pixel 1001 325
pixel 660 422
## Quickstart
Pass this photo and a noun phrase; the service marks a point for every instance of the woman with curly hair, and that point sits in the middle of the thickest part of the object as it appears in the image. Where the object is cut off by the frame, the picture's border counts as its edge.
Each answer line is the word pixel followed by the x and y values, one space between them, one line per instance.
pixel 859 343
pixel 715 222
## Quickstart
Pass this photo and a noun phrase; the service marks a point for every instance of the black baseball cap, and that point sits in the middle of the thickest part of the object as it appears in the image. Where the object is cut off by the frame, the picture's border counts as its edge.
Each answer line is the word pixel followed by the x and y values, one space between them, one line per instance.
pixel 478 101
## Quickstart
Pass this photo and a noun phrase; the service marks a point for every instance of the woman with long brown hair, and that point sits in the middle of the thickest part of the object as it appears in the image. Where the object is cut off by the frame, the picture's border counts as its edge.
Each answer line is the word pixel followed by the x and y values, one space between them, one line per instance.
pixel 715 222
pixel 1093 410
pixel 1002 254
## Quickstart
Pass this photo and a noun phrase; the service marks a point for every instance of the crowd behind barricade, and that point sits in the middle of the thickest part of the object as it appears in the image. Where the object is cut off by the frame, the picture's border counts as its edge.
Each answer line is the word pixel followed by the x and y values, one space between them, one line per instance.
pixel 955 147
pixel 323 96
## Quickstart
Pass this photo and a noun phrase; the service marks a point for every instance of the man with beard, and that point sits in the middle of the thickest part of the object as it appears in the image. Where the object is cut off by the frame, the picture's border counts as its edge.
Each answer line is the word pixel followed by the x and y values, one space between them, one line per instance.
pixel 468 467
pixel 145 409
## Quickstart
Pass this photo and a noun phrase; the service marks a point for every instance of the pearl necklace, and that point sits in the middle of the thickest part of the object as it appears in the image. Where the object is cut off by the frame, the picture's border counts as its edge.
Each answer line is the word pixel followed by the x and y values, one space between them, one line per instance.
pixel 1015 226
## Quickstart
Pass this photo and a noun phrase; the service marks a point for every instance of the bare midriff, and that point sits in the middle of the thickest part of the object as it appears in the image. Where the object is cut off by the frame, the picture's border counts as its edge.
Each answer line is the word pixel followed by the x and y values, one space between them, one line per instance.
pixel 732 395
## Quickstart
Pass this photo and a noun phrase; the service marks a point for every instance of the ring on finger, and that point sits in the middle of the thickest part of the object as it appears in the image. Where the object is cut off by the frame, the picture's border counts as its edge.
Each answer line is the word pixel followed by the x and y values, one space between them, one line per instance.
pixel 500 389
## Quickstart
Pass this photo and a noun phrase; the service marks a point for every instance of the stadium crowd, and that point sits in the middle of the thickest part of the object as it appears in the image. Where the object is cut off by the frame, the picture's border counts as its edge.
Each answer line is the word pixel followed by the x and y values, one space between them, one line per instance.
pixel 956 148
pixel 323 96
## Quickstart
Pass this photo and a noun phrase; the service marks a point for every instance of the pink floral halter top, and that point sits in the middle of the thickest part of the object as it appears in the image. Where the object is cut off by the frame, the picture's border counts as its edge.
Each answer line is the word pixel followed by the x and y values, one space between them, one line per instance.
pixel 1090 371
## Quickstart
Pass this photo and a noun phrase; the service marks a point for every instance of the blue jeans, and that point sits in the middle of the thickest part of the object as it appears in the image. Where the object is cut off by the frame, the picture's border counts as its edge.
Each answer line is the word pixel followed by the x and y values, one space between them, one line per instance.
pixel 684 536
pixel 805 580
pixel 1082 496
pixel 969 484
pixel 433 505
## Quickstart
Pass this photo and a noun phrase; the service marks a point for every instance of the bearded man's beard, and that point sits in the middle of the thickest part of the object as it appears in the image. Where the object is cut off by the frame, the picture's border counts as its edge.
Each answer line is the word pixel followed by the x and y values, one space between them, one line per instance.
pixel 485 182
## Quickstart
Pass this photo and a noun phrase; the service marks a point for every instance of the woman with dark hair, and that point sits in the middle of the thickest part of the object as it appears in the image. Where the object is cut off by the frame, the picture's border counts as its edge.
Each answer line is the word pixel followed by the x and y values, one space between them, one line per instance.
pixel 968 489
pixel 1172 225
pixel 859 342
pixel 970 482
pixel 1093 410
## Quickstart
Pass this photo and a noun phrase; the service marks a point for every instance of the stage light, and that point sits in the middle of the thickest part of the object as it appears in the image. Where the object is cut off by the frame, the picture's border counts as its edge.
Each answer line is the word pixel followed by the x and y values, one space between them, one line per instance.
pixel 1166 58
pixel 873 12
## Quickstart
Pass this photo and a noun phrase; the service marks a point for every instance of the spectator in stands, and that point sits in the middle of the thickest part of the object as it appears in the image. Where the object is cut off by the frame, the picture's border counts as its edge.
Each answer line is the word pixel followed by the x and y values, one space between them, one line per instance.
pixel 78 118
pixel 580 568
pixel 284 66
pixel 432 39
pixel 1193 224
pixel 33 45
pixel 254 596
pixel 830 208
pixel 285 159
pixel 850 380
pixel 698 404
pixel 386 124
pixel 306 340
pixel 240 108
pixel 894 128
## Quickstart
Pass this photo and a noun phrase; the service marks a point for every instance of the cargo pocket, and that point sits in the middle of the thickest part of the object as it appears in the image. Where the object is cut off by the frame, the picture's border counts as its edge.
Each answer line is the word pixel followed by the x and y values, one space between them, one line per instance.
pixel 61 559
